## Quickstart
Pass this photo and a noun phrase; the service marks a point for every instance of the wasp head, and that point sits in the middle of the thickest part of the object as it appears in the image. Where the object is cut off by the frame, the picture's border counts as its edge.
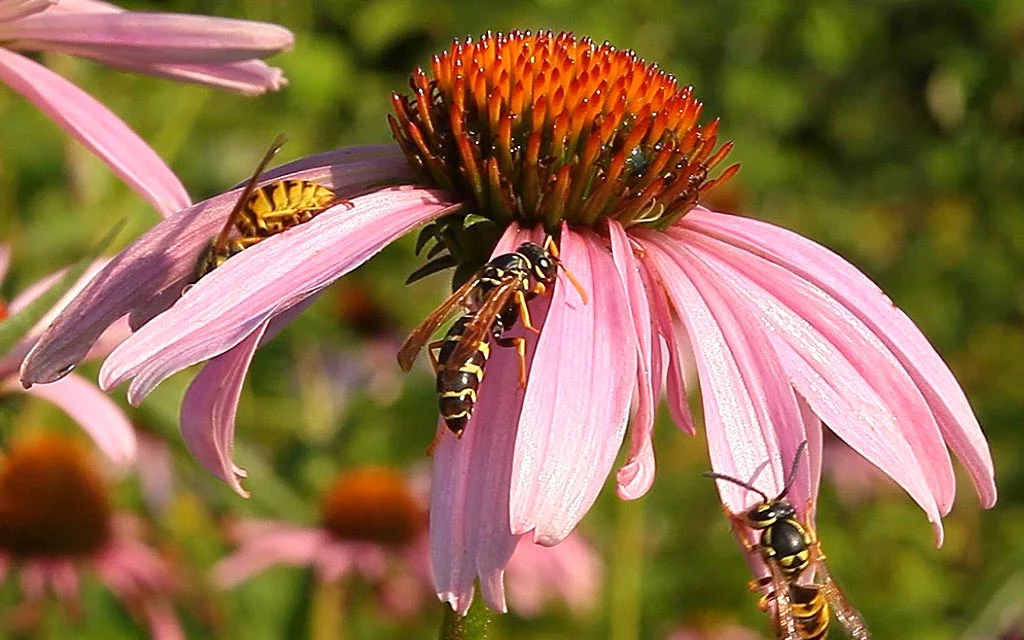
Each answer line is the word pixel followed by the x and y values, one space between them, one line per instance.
pixel 765 514
pixel 543 266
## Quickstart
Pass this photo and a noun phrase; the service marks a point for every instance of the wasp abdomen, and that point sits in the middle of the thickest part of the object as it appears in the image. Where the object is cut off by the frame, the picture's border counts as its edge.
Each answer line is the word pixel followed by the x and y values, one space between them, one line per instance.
pixel 810 608
pixel 457 386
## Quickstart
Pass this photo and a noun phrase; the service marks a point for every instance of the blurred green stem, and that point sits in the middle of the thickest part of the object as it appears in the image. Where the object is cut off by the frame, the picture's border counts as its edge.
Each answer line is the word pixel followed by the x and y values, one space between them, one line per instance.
pixel 472 626
pixel 627 567
pixel 326 611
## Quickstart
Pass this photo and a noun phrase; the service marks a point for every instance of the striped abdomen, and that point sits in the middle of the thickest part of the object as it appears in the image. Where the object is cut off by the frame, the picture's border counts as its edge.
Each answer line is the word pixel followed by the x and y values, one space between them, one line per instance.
pixel 810 608
pixel 457 383
pixel 280 205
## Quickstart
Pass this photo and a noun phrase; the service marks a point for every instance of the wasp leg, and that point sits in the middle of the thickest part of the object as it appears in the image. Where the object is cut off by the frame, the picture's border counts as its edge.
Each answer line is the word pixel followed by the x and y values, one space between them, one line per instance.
pixel 524 313
pixel 436 441
pixel 520 346
pixel 436 344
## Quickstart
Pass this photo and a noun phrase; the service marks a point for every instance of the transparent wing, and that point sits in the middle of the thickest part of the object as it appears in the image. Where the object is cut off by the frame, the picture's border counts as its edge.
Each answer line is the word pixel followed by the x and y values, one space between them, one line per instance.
pixel 220 243
pixel 479 327
pixel 785 621
pixel 414 343
pixel 844 612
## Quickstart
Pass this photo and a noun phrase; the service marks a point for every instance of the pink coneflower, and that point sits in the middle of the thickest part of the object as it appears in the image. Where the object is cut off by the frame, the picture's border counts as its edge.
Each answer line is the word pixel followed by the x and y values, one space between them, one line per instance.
pixel 519 136
pixel 96 413
pixel 215 51
pixel 373 528
pixel 57 527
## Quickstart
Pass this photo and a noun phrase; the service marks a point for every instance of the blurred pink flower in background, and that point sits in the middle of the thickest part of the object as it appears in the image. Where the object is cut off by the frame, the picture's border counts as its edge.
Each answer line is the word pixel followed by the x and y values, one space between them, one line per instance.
pixel 215 51
pixel 93 410
pixel 571 573
pixel 785 334
pixel 856 480
pixel 57 527
pixel 373 527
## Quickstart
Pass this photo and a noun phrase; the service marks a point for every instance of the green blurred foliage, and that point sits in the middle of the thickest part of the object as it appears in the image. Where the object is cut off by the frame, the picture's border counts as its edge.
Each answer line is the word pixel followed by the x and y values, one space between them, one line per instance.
pixel 890 131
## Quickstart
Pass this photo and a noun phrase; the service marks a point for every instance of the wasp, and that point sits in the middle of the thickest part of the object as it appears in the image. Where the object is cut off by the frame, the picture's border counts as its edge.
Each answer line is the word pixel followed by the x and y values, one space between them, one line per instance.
pixel 261 212
pixel 790 549
pixel 492 301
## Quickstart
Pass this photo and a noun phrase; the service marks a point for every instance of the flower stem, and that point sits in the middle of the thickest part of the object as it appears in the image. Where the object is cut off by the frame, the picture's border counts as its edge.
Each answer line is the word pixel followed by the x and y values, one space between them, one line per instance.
pixel 472 626
pixel 326 614
pixel 627 567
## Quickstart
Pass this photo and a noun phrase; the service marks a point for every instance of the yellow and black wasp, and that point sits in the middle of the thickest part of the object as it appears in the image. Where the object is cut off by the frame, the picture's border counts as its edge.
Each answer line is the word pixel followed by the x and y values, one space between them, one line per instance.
pixel 789 548
pixel 261 212
pixel 492 301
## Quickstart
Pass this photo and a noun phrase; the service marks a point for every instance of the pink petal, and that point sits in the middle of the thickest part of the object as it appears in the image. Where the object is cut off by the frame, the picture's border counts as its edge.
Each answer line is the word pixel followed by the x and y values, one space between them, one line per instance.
pixel 864 299
pixel 15 9
pixel 147 37
pixel 249 77
pixel 636 476
pixel 292 546
pixel 209 406
pixel 149 275
pixel 570 571
pixel 211 401
pixel 470 534
pixel 98 129
pixel 163 623
pixel 668 345
pixel 577 399
pixel 789 303
pixel 5 261
pixel 94 411
pixel 221 310
pixel 751 415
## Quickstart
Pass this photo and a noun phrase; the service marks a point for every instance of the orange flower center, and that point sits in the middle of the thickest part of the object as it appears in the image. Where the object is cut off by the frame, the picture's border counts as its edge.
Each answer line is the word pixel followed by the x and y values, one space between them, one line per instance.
pixel 373 504
pixel 540 128
pixel 52 500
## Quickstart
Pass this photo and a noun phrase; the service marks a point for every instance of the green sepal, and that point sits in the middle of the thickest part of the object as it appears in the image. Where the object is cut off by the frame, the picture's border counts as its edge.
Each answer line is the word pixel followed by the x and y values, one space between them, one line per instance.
pixel 432 267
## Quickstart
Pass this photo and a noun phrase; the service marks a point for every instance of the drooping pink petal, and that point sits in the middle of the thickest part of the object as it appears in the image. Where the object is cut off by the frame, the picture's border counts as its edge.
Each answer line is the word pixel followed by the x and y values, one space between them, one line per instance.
pixel 150 274
pixel 285 545
pixel 864 299
pixel 577 399
pixel 250 77
pixel 145 37
pixel 220 311
pixel 93 410
pixel 470 534
pixel 667 350
pixel 15 9
pixel 98 129
pixel 635 477
pixel 751 415
pixel 211 401
pixel 209 406
pixel 789 303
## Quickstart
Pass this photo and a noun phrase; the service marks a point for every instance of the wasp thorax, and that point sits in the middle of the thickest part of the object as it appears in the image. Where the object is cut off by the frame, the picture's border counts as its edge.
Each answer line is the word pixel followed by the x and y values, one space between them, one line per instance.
pixel 373 504
pixel 540 128
pixel 53 502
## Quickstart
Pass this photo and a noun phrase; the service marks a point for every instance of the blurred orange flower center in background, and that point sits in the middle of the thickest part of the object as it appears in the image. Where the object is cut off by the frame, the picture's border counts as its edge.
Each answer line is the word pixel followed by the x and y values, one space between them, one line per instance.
pixel 52 500
pixel 373 504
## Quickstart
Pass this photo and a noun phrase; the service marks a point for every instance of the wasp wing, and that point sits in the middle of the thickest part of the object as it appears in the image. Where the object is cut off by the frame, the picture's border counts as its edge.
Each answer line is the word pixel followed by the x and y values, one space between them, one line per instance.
pixel 479 328
pixel 844 612
pixel 220 243
pixel 785 621
pixel 414 343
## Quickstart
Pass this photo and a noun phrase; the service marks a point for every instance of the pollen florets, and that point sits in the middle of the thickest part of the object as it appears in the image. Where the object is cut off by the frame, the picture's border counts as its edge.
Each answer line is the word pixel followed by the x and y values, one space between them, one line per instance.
pixel 541 128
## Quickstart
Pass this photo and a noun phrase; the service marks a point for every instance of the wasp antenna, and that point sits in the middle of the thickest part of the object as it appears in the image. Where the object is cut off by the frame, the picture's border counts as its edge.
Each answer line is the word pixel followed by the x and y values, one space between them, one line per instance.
pixel 550 246
pixel 792 470
pixel 575 283
pixel 745 485
pixel 249 187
